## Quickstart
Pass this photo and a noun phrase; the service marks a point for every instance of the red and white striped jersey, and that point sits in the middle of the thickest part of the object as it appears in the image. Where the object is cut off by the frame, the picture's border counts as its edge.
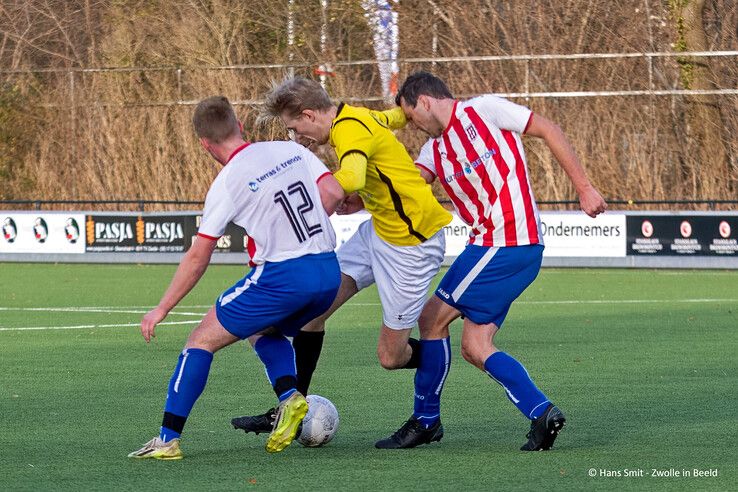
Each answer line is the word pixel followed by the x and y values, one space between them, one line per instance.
pixel 270 189
pixel 480 162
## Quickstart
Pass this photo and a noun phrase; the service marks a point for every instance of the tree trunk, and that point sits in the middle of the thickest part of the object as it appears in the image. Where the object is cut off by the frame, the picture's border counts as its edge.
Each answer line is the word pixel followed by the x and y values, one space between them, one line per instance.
pixel 703 123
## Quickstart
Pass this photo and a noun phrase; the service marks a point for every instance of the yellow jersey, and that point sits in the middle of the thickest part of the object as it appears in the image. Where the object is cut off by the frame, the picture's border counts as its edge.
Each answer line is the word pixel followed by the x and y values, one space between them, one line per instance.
pixel 402 205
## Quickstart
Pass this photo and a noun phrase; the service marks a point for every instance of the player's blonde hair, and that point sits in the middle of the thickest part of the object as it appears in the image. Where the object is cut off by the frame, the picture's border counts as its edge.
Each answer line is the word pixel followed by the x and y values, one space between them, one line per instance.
pixel 293 96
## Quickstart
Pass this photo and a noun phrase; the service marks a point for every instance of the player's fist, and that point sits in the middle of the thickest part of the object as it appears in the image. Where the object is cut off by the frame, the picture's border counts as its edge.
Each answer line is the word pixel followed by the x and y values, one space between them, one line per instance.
pixel 592 202
pixel 351 204
pixel 149 322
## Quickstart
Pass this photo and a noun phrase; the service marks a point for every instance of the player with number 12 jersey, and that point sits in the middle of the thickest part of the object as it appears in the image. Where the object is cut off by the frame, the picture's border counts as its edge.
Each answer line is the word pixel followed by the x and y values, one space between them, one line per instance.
pixel 270 189
pixel 282 195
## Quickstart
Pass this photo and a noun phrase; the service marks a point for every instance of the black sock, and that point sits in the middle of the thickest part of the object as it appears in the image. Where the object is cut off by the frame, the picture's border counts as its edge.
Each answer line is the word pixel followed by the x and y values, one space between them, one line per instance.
pixel 414 361
pixel 174 423
pixel 283 385
pixel 307 345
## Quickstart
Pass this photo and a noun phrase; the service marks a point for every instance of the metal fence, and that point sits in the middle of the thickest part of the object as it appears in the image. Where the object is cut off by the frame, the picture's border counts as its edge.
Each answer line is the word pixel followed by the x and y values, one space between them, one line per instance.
pixel 649 86
pixel 646 86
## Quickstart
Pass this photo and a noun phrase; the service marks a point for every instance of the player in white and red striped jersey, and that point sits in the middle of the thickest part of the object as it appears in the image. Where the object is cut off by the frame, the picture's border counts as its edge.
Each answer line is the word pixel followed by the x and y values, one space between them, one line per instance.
pixel 282 195
pixel 477 154
pixel 480 162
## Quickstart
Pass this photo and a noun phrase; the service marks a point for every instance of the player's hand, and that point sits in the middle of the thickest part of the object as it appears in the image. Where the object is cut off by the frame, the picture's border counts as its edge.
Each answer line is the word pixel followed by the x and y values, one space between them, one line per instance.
pixel 351 204
pixel 149 322
pixel 592 202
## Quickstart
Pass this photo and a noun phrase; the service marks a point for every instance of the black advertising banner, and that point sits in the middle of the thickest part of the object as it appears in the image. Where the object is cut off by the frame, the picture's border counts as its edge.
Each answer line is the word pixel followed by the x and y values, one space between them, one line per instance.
pixel 131 233
pixel 163 233
pixel 233 239
pixel 679 235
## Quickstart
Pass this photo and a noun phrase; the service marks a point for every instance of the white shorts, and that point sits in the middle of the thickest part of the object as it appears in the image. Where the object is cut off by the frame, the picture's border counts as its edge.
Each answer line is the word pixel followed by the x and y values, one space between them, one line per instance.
pixel 402 273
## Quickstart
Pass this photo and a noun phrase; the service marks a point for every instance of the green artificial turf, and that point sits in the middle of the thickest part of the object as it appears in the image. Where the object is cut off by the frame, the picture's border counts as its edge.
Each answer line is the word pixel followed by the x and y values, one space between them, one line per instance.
pixel 642 362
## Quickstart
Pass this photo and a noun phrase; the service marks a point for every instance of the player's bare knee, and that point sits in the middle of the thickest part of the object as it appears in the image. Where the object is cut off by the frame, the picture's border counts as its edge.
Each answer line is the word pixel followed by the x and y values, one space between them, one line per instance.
pixel 425 325
pixel 436 332
pixel 390 360
pixel 202 343
pixel 431 330
pixel 210 335
pixel 467 355
pixel 390 364
pixel 432 323
pixel 473 355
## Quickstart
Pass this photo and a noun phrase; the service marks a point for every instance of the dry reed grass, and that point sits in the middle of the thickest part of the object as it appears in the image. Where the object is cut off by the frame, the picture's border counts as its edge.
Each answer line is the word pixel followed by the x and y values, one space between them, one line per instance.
pixel 101 135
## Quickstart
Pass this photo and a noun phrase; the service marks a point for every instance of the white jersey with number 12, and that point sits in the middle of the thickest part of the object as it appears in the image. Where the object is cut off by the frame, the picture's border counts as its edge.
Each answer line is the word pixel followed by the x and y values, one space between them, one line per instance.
pixel 270 189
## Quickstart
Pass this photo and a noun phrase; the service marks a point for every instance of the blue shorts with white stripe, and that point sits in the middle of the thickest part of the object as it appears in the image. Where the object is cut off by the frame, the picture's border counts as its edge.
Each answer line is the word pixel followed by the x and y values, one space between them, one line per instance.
pixel 285 295
pixel 483 282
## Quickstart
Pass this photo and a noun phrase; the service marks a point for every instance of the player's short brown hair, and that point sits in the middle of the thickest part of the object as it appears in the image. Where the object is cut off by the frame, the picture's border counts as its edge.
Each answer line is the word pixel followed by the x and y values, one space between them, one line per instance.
pixel 422 83
pixel 215 119
pixel 294 95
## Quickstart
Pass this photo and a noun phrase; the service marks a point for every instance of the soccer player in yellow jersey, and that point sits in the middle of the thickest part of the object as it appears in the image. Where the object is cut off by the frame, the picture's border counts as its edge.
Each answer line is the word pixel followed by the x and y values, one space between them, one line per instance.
pixel 401 248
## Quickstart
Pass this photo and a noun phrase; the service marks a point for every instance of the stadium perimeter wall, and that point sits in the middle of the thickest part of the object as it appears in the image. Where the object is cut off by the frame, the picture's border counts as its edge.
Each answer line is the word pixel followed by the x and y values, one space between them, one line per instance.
pixel 614 239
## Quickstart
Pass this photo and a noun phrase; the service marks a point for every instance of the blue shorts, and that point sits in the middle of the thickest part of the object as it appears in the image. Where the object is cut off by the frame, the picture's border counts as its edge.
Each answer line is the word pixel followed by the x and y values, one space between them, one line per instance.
pixel 483 282
pixel 285 295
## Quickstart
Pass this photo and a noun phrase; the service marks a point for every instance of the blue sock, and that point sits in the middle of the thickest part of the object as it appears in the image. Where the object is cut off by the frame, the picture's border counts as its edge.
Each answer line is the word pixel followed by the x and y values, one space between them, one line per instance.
pixel 185 387
pixel 278 356
pixel 520 389
pixel 435 360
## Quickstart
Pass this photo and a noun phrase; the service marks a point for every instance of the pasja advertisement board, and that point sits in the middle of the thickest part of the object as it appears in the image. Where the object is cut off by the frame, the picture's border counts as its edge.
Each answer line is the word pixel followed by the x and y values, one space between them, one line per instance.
pixel 136 233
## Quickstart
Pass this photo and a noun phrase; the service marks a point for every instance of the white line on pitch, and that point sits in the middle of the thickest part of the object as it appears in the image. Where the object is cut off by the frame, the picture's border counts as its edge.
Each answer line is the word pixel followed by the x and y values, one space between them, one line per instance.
pixel 82 327
pixel 147 308
pixel 93 310
pixel 561 302
pixel 629 301
pixel 134 309
pixel 593 301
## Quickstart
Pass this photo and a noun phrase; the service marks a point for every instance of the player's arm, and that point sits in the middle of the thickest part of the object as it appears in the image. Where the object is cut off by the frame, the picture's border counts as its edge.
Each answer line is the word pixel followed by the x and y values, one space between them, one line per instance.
pixel 424 162
pixel 393 118
pixel 590 199
pixel 428 176
pixel 354 145
pixel 351 174
pixel 190 270
pixel 331 193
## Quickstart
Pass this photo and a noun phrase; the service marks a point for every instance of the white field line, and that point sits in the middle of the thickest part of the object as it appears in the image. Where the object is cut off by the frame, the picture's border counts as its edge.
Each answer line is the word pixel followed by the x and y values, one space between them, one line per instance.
pixel 630 301
pixel 594 301
pixel 654 272
pixel 74 308
pixel 127 311
pixel 105 310
pixel 82 327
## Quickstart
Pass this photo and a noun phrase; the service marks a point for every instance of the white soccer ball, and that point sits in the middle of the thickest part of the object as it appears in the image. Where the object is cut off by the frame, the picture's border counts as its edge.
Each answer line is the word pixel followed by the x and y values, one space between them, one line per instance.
pixel 320 424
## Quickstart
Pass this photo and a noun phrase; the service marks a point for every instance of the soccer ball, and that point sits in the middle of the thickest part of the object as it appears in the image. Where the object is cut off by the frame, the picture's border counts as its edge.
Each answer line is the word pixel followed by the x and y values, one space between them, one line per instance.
pixel 320 424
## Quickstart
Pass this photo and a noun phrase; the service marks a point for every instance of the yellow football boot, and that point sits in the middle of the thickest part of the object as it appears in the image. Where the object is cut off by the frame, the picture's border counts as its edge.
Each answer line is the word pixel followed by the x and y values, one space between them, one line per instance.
pixel 159 450
pixel 289 417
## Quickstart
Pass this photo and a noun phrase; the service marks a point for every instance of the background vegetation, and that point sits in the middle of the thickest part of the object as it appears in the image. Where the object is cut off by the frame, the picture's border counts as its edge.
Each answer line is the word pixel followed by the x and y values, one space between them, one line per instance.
pixel 71 131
